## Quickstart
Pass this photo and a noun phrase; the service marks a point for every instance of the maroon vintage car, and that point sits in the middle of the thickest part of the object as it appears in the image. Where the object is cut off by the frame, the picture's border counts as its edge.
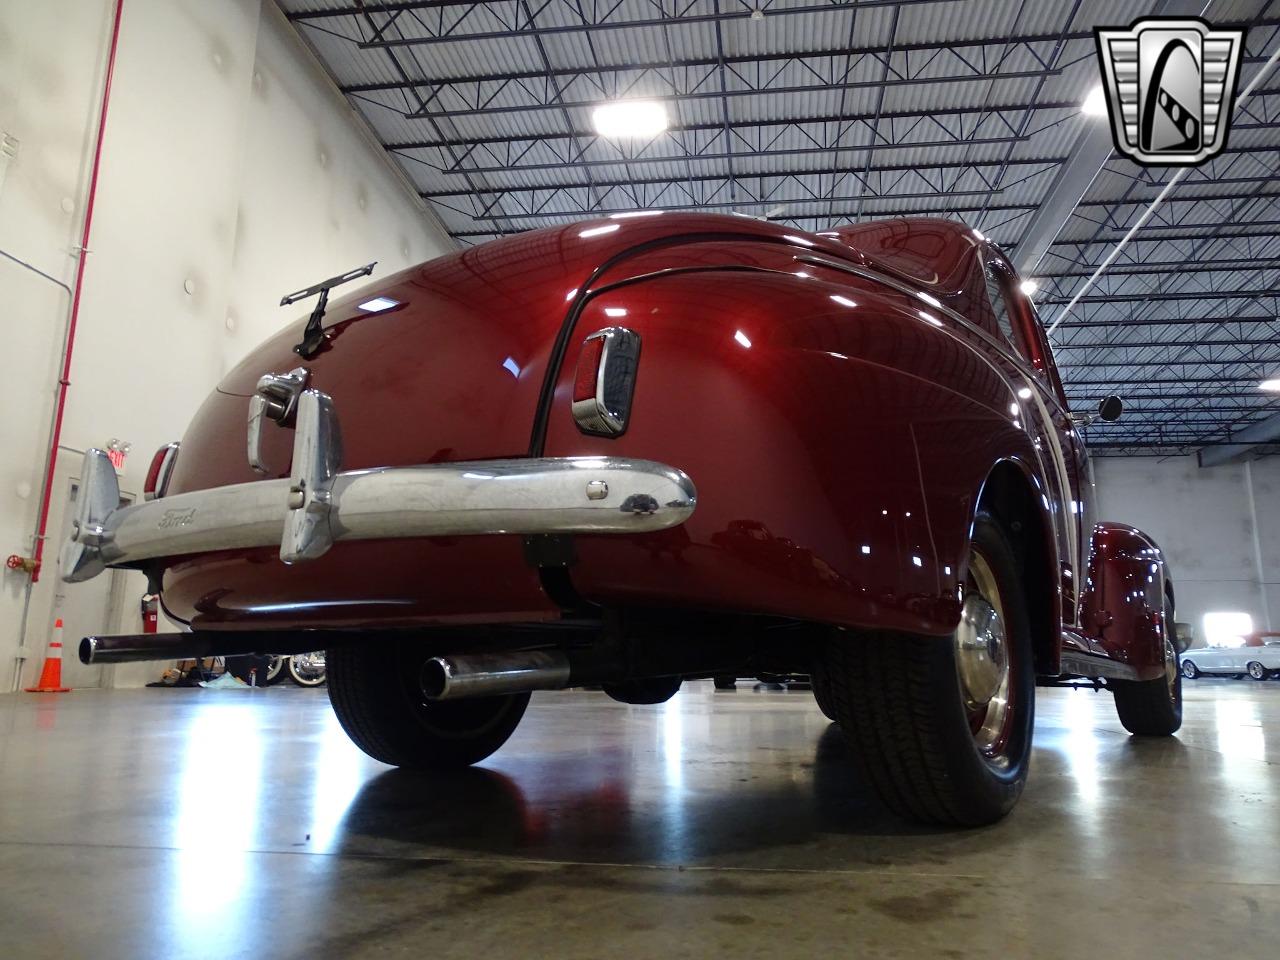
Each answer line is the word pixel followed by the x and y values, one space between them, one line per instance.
pixel 651 448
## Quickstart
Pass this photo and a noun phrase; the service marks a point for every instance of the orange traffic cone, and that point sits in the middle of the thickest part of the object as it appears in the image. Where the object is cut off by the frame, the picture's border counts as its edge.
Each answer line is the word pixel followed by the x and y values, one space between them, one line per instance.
pixel 51 675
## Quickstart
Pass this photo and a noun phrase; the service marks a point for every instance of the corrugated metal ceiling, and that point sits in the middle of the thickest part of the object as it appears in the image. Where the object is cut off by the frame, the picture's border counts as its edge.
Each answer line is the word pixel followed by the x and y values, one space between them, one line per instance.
pixel 963 108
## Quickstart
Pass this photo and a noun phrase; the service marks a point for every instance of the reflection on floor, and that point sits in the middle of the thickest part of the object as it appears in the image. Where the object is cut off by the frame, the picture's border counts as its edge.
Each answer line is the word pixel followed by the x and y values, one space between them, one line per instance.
pixel 194 823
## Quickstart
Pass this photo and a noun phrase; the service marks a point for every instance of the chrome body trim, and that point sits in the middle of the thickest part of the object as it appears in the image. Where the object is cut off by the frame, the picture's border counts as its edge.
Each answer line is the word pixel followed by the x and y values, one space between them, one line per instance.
pixel 531 496
pixel 1090 665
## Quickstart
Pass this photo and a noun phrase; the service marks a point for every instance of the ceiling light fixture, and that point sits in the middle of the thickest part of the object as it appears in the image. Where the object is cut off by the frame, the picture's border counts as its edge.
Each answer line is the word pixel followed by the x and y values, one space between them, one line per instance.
pixel 1095 104
pixel 629 118
pixel 1028 287
pixel 1271 386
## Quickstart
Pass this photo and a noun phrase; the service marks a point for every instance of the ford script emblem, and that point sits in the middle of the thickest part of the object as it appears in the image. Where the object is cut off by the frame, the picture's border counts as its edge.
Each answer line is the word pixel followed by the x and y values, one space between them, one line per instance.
pixel 176 518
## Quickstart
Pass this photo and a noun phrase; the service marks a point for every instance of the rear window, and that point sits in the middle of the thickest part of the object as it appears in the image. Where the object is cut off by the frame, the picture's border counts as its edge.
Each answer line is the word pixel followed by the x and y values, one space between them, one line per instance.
pixel 1000 307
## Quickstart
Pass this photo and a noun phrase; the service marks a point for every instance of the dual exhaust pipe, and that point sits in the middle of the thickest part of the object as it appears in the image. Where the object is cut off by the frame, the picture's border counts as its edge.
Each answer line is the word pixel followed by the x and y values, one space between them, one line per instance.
pixel 443 678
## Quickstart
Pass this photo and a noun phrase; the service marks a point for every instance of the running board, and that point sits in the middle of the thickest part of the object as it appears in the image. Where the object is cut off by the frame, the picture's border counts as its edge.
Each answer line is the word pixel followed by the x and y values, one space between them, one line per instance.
pixel 1078 664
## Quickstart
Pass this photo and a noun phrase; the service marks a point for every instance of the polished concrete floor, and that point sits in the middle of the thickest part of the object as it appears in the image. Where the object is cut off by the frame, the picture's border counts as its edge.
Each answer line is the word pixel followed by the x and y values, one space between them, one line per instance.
pixel 192 823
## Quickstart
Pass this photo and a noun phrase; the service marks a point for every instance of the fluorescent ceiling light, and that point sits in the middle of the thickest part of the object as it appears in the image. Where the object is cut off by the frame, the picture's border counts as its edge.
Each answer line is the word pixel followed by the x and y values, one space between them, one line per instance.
pixel 1095 104
pixel 378 303
pixel 1272 385
pixel 843 301
pixel 597 231
pixel 629 118
pixel 1028 287
pixel 742 338
pixel 615 311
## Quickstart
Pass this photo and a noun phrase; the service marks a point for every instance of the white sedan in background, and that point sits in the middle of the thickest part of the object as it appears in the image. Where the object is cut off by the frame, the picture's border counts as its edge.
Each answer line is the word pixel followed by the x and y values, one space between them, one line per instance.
pixel 1259 657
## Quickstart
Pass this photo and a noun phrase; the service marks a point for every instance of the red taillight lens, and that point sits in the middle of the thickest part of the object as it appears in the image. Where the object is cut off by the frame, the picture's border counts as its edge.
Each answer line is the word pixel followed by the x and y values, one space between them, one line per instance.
pixel 159 472
pixel 584 384
pixel 605 381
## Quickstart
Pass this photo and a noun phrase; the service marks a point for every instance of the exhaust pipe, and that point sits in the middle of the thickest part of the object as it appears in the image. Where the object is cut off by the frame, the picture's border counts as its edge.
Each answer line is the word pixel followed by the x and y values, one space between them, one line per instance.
pixel 203 643
pixel 491 674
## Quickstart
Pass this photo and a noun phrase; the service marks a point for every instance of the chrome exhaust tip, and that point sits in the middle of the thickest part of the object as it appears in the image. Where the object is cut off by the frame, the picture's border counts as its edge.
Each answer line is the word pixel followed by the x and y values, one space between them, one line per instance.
pixel 493 674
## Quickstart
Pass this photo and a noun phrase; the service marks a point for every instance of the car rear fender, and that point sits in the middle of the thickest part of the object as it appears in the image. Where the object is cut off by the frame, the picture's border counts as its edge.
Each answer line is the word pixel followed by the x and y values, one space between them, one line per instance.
pixel 1122 606
pixel 839 432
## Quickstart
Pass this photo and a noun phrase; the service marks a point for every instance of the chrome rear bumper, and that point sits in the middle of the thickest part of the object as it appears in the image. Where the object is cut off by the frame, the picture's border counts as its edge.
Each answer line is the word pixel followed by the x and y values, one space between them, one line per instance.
pixel 317 507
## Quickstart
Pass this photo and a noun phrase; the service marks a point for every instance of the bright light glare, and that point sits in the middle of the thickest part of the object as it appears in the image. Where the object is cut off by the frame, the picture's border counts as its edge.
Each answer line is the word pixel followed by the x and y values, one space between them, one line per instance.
pixel 597 231
pixel 1272 386
pixel 1028 287
pixel 615 311
pixel 378 303
pixel 630 118
pixel 843 301
pixel 1025 393
pixel 1226 628
pixel 742 338
pixel 929 318
pixel 929 299
pixel 1095 104
pixel 631 214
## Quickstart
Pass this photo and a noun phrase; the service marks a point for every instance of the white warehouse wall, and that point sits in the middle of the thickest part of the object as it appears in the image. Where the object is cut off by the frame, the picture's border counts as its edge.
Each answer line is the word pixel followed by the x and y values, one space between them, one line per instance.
pixel 232 172
pixel 1220 537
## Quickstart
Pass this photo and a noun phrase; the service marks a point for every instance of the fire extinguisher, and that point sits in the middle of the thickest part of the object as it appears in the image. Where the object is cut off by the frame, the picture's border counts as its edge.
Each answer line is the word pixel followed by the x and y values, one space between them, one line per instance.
pixel 150 613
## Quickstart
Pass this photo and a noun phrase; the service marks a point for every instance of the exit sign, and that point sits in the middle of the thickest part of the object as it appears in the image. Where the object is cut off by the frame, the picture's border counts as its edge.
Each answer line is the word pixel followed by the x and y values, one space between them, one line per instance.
pixel 117 458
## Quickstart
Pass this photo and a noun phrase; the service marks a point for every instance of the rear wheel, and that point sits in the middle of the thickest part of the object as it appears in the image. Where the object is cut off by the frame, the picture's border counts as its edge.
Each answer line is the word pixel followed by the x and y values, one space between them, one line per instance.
pixel 942 726
pixel 1256 670
pixel 376 692
pixel 1153 708
pixel 307 669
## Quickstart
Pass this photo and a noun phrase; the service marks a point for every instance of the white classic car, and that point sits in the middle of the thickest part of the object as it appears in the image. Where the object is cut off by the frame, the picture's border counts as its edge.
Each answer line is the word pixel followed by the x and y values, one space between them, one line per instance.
pixel 1259 657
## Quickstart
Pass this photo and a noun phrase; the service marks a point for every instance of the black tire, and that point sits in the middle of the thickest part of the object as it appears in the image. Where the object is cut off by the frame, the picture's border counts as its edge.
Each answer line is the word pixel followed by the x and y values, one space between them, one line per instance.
pixel 275 670
pixel 375 690
pixel 898 700
pixel 822 694
pixel 1256 670
pixel 304 678
pixel 725 682
pixel 1190 670
pixel 1152 708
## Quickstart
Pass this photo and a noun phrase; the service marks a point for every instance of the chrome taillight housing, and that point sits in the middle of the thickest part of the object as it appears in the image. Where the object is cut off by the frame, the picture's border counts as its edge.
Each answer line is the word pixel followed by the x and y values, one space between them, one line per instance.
pixel 605 381
pixel 160 471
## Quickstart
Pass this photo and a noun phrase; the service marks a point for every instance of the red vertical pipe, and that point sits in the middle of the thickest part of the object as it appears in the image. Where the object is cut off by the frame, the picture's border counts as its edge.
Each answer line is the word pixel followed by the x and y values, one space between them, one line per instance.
pixel 64 381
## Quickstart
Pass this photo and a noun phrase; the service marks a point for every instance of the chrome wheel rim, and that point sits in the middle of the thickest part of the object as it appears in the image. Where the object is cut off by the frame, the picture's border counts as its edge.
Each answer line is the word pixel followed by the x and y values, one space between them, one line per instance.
pixel 984 662
pixel 309 666
pixel 1257 674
